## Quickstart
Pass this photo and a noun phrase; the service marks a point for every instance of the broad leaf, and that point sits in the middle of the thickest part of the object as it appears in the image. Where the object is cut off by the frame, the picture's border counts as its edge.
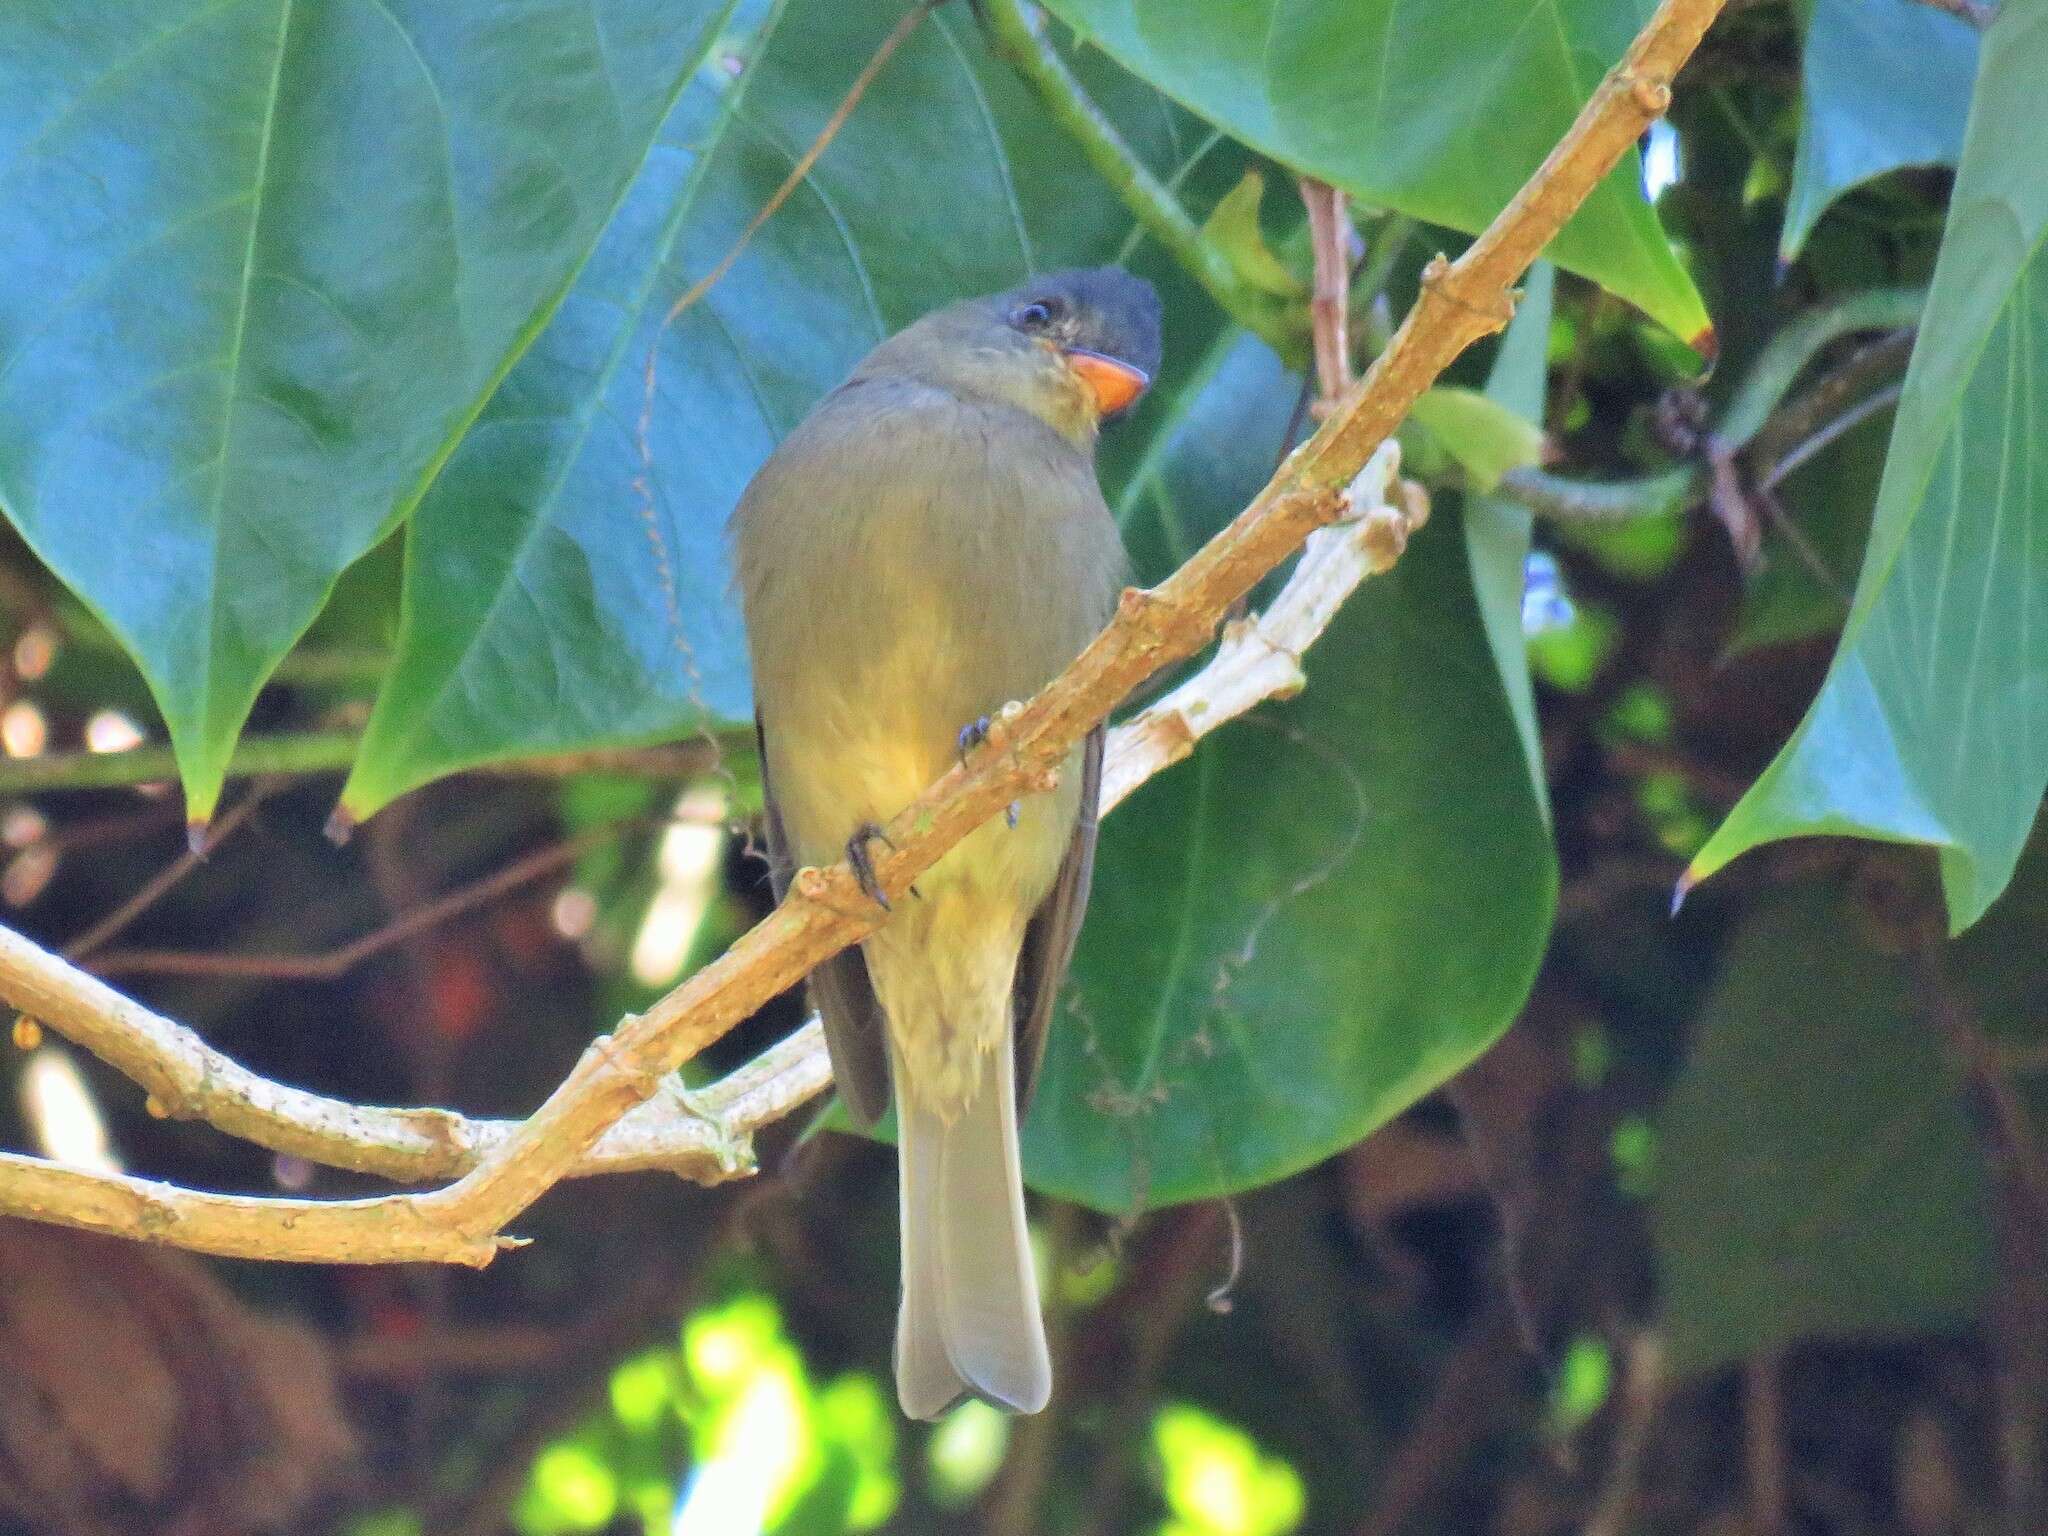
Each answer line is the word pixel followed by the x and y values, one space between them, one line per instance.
pixel 1817 1172
pixel 1886 84
pixel 565 589
pixel 262 263
pixel 1333 906
pixel 1438 111
pixel 1932 726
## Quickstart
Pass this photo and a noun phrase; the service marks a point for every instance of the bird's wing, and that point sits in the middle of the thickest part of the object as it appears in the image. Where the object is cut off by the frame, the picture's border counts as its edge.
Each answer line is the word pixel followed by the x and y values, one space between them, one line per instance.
pixel 840 988
pixel 1049 936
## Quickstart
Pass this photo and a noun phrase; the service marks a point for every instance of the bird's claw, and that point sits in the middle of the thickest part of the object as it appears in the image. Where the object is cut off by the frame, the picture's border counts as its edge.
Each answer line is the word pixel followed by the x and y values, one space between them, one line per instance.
pixel 972 735
pixel 864 866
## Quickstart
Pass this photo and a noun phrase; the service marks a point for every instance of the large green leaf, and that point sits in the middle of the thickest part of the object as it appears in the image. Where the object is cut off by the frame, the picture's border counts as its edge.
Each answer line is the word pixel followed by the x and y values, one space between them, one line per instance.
pixel 262 263
pixel 1333 906
pixel 1440 111
pixel 1932 726
pixel 1886 84
pixel 1818 1175
pixel 551 602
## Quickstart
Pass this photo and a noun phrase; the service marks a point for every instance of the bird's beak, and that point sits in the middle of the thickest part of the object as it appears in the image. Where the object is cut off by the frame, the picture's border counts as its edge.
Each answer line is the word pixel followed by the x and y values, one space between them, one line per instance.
pixel 1112 384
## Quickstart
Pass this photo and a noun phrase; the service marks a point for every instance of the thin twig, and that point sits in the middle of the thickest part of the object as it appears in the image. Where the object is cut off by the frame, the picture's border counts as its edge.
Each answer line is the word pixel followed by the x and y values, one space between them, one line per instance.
pixel 160 884
pixel 1640 1396
pixel 1763 1440
pixel 333 963
pixel 1780 440
pixel 2018 1177
pixel 185 1078
pixel 1329 230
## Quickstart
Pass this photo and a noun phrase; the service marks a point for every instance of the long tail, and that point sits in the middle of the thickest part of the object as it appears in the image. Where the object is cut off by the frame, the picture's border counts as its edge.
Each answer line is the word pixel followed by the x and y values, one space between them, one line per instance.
pixel 970 1320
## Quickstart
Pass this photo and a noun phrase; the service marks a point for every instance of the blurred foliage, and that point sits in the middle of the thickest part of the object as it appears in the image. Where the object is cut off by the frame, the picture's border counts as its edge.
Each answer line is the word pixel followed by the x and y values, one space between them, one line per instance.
pixel 326 334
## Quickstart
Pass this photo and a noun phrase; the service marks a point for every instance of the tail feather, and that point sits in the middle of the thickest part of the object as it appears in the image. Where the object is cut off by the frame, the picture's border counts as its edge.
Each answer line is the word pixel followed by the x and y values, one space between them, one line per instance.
pixel 970 1320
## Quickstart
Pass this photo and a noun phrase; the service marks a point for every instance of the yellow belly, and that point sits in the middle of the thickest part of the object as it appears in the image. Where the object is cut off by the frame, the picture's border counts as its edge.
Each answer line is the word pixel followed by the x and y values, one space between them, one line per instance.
pixel 944 964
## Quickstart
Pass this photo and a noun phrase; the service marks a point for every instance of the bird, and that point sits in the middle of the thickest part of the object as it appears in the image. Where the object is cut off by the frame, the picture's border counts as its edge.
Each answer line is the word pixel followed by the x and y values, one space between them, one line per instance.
pixel 929 544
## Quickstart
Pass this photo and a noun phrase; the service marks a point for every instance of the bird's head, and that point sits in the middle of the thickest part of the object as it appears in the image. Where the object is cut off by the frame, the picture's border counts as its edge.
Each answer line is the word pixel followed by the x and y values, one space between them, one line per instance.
pixel 1073 348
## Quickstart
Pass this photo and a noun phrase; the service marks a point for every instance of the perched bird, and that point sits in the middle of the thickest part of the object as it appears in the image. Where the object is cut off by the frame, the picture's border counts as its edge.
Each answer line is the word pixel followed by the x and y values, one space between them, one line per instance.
pixel 929 544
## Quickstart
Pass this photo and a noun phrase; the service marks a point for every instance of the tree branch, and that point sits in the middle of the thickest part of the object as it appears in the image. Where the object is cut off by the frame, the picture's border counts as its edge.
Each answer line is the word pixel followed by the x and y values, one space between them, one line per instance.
pixel 187 1079
pixel 825 910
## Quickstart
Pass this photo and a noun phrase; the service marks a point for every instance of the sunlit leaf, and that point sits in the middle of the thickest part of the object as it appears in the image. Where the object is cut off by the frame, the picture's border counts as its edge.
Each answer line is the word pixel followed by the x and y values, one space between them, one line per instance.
pixel 1233 226
pixel 571 1490
pixel 1217 1483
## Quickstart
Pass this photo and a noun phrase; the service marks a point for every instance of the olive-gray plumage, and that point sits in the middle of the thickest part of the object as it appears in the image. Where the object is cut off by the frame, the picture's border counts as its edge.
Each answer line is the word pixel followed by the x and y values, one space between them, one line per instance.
pixel 929 544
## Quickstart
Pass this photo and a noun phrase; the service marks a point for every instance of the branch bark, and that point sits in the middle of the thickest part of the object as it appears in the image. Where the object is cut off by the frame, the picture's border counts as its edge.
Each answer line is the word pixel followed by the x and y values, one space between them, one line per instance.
pixel 826 911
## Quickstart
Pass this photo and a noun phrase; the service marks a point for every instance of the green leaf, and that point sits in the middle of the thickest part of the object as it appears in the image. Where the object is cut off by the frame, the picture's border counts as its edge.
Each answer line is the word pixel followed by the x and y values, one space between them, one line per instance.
pixel 1333 906
pixel 551 601
pixel 263 261
pixel 1484 440
pixel 1821 1176
pixel 1932 726
pixel 1886 85
pixel 1440 112
pixel 1497 531
pixel 1233 227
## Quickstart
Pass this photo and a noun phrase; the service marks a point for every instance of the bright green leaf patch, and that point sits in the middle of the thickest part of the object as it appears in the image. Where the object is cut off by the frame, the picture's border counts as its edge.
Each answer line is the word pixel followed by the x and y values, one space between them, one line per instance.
pixel 1233 225
pixel 1380 98
pixel 1468 430
pixel 1932 726
pixel 263 261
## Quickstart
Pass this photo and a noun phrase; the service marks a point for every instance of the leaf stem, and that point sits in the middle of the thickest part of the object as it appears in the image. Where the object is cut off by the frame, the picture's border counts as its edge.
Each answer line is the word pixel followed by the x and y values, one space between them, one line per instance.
pixel 312 752
pixel 308 752
pixel 1021 42
pixel 1756 418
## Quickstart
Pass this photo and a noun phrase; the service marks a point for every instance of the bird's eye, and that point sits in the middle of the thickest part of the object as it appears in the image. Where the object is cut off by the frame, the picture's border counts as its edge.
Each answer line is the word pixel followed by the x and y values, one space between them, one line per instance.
pixel 1035 316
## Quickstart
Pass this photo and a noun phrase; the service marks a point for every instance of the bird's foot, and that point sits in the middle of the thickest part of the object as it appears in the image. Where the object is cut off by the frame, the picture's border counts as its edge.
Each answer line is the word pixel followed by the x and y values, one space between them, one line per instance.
pixel 864 865
pixel 972 735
